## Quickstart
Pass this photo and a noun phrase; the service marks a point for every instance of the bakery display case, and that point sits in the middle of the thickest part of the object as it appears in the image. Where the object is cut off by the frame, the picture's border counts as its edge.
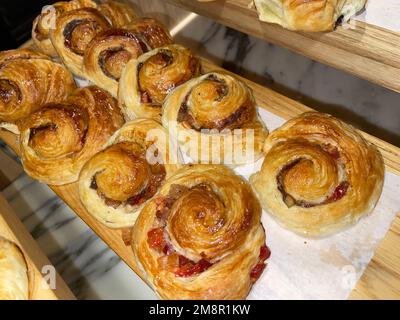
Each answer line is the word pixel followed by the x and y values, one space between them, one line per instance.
pixel 311 212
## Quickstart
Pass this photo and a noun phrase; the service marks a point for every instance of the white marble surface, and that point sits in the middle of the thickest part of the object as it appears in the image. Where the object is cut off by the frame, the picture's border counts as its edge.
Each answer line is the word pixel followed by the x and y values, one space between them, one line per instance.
pixel 89 267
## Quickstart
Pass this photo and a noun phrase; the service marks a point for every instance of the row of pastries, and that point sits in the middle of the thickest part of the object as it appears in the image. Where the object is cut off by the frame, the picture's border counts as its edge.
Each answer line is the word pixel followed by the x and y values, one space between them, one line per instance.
pixel 195 229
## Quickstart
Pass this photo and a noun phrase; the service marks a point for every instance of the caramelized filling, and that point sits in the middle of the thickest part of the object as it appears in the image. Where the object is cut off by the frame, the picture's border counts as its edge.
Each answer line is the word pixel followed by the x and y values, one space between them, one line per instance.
pixel 78 34
pixel 113 61
pixel 143 181
pixel 339 192
pixel 9 91
pixel 258 269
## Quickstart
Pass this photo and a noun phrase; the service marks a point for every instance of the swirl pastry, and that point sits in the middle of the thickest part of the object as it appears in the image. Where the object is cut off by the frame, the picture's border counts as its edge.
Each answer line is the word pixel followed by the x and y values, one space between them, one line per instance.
pixel 116 183
pixel 309 15
pixel 319 175
pixel 57 140
pixel 16 54
pixel 26 84
pixel 214 119
pixel 44 22
pixel 201 236
pixel 14 281
pixel 118 14
pixel 145 82
pixel 74 31
pixel 109 52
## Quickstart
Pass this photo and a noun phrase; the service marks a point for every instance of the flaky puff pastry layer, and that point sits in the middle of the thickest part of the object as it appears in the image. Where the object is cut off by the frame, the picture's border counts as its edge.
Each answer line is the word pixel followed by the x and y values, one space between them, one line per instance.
pixel 308 15
pixel 27 82
pixel 72 34
pixel 14 280
pixel 118 13
pixel 214 119
pixel 117 182
pixel 319 175
pixel 145 82
pixel 57 140
pixel 23 53
pixel 109 52
pixel 46 21
pixel 216 217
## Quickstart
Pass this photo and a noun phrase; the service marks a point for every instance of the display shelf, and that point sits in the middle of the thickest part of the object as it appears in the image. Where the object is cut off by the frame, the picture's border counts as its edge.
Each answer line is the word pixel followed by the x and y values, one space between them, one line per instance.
pixel 365 50
pixel 378 282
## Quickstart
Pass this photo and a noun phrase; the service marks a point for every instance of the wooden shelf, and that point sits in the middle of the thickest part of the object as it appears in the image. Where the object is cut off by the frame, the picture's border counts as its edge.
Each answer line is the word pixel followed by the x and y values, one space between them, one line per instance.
pixel 370 286
pixel 12 228
pixel 367 51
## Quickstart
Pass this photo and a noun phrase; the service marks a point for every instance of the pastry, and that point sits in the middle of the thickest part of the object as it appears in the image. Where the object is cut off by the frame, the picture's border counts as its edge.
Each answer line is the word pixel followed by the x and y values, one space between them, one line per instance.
pixel 214 119
pixel 74 31
pixel 117 182
pixel 28 83
pixel 309 15
pixel 14 281
pixel 319 175
pixel 23 53
pixel 59 138
pixel 145 82
pixel 46 21
pixel 118 13
pixel 201 236
pixel 109 52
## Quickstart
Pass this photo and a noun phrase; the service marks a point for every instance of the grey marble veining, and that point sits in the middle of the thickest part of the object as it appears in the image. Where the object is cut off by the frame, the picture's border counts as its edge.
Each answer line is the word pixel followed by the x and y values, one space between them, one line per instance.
pixel 367 106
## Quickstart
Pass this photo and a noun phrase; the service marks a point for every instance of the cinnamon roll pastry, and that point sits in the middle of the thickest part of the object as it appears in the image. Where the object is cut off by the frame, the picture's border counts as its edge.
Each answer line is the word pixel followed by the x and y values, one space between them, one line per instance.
pixel 319 175
pixel 109 52
pixel 145 82
pixel 117 182
pixel 309 15
pixel 27 83
pixel 201 236
pixel 14 281
pixel 214 119
pixel 73 33
pixel 118 14
pixel 46 21
pixel 58 139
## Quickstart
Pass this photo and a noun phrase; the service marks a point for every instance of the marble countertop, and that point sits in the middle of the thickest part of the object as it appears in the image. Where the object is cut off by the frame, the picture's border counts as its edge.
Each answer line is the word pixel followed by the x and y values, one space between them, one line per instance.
pixel 89 267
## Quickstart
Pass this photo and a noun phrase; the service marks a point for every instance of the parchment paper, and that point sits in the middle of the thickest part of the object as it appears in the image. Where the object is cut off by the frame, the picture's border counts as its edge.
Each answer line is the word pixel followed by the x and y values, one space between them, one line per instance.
pixel 328 268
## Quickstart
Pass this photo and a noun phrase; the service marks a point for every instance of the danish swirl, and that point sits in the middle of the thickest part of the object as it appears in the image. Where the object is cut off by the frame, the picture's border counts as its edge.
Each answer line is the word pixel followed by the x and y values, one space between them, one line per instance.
pixel 214 119
pixel 117 182
pixel 319 175
pixel 47 20
pixel 14 281
pixel 27 83
pixel 201 236
pixel 145 82
pixel 57 140
pixel 73 33
pixel 109 52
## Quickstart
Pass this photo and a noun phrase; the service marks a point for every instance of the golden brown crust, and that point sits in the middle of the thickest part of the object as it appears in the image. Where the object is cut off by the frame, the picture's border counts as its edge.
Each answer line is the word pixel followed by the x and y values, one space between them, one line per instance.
pixel 319 175
pixel 308 15
pixel 145 82
pixel 109 52
pixel 47 19
pixel 212 220
pixel 23 53
pixel 14 280
pixel 119 14
pixel 58 139
pixel 117 182
pixel 27 84
pixel 223 106
pixel 73 33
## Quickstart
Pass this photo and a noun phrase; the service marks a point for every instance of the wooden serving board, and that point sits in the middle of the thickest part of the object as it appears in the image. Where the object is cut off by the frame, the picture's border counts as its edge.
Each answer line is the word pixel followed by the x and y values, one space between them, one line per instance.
pixel 383 285
pixel 12 229
pixel 365 50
